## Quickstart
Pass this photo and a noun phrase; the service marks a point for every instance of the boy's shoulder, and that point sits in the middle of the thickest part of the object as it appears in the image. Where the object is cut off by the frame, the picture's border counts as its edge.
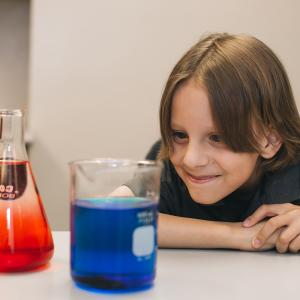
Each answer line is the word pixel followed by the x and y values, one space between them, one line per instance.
pixel 282 186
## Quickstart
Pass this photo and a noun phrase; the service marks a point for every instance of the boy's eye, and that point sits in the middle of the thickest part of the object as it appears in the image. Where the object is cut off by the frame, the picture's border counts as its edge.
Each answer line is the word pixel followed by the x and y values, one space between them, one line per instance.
pixel 215 138
pixel 179 136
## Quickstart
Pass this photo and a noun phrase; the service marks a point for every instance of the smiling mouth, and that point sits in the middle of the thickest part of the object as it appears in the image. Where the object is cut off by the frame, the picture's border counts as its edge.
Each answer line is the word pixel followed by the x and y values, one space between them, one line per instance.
pixel 202 179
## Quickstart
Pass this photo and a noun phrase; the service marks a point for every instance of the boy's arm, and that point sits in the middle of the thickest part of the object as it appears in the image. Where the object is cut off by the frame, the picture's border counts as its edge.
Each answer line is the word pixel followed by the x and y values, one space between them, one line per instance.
pixel 180 232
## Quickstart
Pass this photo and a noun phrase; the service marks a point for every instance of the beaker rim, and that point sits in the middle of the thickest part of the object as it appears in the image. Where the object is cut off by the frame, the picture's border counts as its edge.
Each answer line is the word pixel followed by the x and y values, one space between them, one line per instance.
pixel 10 112
pixel 115 162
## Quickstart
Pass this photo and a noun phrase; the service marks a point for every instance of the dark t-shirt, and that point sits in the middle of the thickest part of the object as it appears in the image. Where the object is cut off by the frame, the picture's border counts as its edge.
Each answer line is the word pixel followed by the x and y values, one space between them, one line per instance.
pixel 280 187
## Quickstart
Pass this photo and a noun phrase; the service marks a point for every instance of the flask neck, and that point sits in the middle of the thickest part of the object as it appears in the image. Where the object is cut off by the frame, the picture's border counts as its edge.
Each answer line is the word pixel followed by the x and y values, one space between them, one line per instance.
pixel 12 146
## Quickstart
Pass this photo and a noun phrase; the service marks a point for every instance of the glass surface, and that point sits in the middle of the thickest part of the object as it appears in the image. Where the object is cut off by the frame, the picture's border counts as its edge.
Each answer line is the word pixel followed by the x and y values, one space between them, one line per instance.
pixel 25 237
pixel 113 232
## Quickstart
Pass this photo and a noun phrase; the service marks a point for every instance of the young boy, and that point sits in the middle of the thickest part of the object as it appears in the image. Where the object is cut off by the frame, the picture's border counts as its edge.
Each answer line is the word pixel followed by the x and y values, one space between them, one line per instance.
pixel 231 146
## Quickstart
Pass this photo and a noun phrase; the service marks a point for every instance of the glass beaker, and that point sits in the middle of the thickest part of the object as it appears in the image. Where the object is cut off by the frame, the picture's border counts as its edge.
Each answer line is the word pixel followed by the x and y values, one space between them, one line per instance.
pixel 25 237
pixel 114 223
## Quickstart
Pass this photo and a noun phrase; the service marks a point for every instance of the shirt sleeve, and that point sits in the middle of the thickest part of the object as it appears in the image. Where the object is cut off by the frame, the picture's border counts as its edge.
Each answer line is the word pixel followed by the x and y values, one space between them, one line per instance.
pixel 296 202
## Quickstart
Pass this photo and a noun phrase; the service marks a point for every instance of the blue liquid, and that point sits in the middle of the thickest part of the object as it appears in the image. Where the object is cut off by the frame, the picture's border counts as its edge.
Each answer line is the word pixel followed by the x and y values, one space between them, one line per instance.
pixel 108 238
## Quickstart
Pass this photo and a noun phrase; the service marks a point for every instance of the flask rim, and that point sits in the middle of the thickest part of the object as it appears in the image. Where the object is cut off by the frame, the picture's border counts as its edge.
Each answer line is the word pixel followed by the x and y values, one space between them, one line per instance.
pixel 10 112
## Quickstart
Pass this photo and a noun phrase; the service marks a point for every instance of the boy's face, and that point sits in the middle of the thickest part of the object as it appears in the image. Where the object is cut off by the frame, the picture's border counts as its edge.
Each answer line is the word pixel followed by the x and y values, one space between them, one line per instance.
pixel 209 169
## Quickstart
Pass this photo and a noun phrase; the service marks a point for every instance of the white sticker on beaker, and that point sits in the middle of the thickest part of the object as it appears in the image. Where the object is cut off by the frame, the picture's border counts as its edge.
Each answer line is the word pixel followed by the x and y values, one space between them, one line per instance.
pixel 143 240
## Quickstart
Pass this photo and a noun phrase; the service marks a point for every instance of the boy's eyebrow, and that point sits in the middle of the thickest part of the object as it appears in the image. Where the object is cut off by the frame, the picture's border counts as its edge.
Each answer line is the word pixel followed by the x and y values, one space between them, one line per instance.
pixel 174 125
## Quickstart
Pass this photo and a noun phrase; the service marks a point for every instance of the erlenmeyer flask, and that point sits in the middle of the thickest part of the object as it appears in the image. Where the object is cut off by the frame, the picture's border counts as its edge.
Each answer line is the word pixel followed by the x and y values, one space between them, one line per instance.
pixel 25 237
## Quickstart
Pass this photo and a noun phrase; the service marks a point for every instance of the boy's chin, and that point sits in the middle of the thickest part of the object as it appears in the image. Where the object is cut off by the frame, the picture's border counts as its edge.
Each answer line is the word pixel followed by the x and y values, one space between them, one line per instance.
pixel 205 200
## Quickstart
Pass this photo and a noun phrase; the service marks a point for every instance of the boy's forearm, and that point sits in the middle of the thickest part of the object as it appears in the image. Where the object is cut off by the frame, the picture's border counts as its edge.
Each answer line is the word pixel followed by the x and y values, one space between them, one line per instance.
pixel 179 232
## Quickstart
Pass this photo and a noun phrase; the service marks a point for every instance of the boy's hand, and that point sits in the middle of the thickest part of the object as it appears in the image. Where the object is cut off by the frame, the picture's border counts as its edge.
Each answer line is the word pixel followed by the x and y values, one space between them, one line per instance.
pixel 284 217
pixel 242 237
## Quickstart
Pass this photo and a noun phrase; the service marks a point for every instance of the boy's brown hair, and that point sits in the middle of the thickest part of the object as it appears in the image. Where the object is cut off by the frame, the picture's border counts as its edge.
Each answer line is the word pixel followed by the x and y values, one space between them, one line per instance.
pixel 246 85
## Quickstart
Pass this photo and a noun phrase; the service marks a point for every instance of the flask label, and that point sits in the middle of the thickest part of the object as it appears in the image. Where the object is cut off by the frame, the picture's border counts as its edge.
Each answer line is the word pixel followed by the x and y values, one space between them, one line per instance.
pixel 13 180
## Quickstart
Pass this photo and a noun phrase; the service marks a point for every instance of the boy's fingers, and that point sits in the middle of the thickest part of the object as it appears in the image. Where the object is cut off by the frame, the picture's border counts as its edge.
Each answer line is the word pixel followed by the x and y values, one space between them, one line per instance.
pixel 284 239
pixel 269 229
pixel 287 239
pixel 294 246
pixel 261 213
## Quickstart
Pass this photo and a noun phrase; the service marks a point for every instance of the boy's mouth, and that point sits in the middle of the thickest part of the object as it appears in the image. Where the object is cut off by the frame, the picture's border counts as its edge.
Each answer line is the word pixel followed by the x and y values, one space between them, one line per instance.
pixel 202 179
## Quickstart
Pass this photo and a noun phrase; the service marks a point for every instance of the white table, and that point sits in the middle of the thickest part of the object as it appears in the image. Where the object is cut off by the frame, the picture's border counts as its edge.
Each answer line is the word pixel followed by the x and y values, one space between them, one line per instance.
pixel 181 274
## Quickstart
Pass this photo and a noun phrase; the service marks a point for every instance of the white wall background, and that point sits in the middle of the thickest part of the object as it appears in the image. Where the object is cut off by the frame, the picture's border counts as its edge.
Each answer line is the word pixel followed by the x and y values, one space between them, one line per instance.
pixel 14 48
pixel 98 68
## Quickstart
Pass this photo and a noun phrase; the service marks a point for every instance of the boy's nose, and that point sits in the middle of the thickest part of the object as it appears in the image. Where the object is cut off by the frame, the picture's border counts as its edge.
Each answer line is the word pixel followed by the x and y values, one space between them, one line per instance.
pixel 195 156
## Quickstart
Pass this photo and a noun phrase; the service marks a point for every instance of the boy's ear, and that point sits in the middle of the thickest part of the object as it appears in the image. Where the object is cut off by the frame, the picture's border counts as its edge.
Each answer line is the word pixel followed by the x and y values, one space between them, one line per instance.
pixel 270 145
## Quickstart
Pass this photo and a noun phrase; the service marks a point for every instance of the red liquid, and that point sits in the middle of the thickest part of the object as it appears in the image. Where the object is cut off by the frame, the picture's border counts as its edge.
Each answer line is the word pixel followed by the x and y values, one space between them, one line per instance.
pixel 25 237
